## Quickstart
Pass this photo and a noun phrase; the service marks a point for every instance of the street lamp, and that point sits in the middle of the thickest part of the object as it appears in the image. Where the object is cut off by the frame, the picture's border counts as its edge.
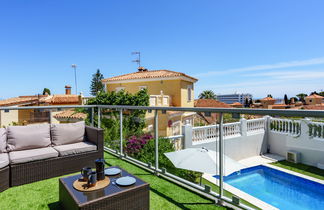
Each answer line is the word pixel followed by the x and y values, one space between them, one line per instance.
pixel 74 66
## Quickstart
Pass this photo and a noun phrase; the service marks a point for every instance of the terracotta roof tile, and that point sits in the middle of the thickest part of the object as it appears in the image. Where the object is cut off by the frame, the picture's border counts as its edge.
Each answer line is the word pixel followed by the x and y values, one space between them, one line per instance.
pixel 210 103
pixel 18 100
pixel 267 99
pixel 71 114
pixel 314 96
pixel 148 74
pixel 237 104
pixel 63 99
pixel 314 107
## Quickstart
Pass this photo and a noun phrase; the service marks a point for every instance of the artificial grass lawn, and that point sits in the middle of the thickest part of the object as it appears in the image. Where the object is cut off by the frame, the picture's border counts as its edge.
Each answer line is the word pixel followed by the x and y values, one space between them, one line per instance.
pixel 215 188
pixel 301 168
pixel 163 194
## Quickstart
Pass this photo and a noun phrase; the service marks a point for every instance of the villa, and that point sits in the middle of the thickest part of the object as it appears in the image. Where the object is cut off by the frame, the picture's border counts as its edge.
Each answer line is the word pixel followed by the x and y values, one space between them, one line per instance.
pixel 29 116
pixel 166 89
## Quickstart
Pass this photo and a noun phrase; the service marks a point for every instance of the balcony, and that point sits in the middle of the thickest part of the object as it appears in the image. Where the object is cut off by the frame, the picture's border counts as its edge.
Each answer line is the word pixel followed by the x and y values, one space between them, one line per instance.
pixel 271 135
pixel 163 194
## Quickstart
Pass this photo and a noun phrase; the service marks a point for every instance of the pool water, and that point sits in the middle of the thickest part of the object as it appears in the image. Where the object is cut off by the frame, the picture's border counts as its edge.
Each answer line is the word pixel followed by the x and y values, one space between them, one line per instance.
pixel 279 189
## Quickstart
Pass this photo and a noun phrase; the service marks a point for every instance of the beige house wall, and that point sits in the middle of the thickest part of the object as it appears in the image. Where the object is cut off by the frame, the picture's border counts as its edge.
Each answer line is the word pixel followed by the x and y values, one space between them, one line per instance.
pixel 176 89
pixel 313 101
pixel 6 118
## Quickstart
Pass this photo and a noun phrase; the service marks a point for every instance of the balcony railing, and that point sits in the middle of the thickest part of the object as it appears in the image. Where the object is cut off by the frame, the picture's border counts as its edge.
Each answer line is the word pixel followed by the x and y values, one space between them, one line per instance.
pixel 207 132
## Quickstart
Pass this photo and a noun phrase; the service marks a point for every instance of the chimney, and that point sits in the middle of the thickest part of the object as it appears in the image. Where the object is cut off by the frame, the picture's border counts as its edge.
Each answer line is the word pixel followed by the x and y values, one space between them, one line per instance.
pixel 67 90
pixel 141 69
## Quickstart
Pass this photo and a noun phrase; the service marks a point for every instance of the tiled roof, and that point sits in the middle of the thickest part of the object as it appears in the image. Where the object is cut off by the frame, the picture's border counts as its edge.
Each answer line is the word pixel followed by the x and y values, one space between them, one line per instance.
pixel 18 100
pixel 237 104
pixel 148 75
pixel 314 107
pixel 279 105
pixel 267 99
pixel 210 103
pixel 71 114
pixel 314 96
pixel 63 99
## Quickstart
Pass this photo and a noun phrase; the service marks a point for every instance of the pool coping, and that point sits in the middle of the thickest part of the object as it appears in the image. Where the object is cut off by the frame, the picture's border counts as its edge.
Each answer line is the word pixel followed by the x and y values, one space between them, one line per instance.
pixel 243 195
pixel 294 173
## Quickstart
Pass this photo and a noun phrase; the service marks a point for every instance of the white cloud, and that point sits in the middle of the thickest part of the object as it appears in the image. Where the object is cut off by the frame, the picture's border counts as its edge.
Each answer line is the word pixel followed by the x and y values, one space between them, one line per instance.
pixel 313 61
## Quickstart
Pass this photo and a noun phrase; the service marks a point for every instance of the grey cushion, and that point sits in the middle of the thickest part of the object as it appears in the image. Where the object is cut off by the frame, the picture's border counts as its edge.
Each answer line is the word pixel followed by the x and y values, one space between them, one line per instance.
pixel 28 137
pixel 32 155
pixel 67 133
pixel 3 140
pixel 76 148
pixel 4 160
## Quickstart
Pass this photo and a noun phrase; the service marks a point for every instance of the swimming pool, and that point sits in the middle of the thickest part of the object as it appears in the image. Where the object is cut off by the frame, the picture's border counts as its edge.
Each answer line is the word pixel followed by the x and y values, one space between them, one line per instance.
pixel 279 189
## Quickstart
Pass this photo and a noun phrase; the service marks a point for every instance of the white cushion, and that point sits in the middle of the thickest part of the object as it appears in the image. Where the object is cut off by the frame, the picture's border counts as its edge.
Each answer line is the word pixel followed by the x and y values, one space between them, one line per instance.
pixel 32 155
pixel 67 133
pixel 28 137
pixel 76 148
pixel 3 140
pixel 4 160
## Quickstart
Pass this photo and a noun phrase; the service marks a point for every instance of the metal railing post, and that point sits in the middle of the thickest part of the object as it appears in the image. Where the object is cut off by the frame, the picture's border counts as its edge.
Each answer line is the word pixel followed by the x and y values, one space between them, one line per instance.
pixel 156 135
pixel 121 131
pixel 99 117
pixel 92 116
pixel 221 156
pixel 50 116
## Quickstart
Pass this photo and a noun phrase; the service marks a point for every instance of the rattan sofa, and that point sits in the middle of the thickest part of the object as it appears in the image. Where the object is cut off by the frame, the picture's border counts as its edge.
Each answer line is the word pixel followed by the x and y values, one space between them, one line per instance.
pixel 4 178
pixel 19 174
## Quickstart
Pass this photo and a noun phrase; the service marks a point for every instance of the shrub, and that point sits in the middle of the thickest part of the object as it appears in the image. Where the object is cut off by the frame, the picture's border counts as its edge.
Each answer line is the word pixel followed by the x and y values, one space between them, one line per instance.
pixel 144 150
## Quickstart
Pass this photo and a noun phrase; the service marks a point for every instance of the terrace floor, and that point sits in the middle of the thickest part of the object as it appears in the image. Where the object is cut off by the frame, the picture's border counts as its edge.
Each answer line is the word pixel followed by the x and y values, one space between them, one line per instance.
pixel 163 194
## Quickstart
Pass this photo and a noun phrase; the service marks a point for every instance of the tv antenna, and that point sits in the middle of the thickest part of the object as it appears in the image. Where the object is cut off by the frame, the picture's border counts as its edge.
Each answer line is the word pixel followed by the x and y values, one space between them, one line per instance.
pixel 138 60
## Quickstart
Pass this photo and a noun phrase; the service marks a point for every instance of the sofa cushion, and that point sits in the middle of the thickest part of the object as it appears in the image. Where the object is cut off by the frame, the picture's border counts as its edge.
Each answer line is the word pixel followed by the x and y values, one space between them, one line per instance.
pixel 76 148
pixel 28 137
pixel 32 155
pixel 4 160
pixel 3 140
pixel 68 133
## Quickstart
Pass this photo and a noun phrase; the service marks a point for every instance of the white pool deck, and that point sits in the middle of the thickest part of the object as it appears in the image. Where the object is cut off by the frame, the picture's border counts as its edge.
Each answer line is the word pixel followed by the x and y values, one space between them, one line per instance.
pixel 265 159
pixel 259 160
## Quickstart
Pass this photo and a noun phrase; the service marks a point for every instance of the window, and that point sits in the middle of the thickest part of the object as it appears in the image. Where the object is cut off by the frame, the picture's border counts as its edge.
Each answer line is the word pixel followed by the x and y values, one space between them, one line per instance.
pixel 119 89
pixel 152 100
pixel 142 87
pixel 189 88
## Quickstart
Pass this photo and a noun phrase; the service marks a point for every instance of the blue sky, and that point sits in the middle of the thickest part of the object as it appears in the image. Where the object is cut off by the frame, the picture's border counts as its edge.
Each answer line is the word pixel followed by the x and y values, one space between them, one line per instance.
pixel 251 46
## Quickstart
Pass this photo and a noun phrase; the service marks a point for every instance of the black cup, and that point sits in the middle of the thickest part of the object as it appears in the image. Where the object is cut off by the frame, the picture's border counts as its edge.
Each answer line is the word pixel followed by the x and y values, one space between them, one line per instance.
pixel 92 181
pixel 85 172
pixel 100 169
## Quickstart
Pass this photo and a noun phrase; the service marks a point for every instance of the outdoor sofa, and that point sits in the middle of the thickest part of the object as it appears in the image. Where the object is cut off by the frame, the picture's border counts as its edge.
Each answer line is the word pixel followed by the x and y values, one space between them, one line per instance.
pixel 37 152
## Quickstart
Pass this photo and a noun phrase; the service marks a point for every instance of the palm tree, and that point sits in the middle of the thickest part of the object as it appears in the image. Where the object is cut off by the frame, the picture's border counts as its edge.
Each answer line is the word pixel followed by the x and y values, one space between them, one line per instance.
pixel 207 94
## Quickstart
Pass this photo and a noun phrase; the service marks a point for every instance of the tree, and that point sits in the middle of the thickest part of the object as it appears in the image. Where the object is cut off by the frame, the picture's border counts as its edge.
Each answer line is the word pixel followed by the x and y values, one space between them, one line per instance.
pixel 96 84
pixel 293 100
pixel 269 95
pixel 250 102
pixel 246 102
pixel 46 90
pixel 312 93
pixel 286 99
pixel 321 93
pixel 207 94
pixel 301 96
pixel 133 121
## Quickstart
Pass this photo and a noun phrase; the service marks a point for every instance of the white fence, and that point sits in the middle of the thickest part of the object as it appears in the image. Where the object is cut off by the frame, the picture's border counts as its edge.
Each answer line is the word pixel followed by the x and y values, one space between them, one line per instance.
pixel 256 124
pixel 316 130
pixel 210 132
pixel 285 126
pixel 203 133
